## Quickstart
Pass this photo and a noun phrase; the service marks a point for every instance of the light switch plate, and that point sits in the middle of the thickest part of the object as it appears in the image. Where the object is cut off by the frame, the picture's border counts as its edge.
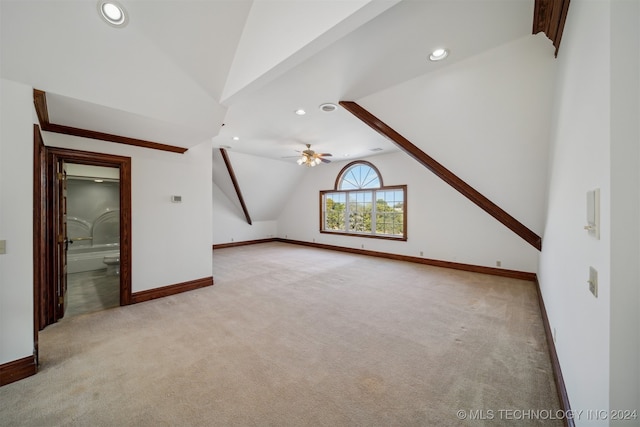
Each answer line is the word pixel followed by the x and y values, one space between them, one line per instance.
pixel 3 247
pixel 593 281
pixel 593 213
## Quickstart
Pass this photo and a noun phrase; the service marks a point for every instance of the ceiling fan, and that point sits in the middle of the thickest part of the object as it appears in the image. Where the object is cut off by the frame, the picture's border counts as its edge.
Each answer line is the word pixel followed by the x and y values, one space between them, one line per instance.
pixel 310 158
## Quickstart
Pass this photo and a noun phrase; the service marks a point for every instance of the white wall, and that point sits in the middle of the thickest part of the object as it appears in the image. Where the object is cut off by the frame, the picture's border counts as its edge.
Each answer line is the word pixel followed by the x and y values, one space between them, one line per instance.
pixel 625 206
pixel 171 242
pixel 486 119
pixel 579 162
pixel 441 223
pixel 265 184
pixel 16 221
pixel 230 225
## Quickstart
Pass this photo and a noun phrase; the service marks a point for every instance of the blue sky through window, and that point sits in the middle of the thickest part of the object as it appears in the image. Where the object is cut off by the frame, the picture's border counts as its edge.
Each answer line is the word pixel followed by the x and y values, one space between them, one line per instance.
pixel 359 176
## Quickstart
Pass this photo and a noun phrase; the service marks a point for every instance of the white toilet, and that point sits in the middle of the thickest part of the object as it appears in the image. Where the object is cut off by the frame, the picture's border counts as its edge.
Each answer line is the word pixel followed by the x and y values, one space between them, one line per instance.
pixel 113 264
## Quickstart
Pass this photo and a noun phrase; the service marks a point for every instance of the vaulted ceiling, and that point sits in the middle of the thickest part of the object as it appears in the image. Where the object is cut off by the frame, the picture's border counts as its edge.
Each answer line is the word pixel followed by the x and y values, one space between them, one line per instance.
pixel 232 72
pixel 181 69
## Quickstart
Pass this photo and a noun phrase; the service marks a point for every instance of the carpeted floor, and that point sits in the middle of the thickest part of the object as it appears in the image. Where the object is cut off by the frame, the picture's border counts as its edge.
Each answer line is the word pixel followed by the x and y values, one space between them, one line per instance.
pixel 295 336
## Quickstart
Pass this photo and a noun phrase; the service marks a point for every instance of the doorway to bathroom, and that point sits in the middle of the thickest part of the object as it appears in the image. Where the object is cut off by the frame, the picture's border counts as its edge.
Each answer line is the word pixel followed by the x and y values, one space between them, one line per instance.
pixel 93 238
pixel 83 231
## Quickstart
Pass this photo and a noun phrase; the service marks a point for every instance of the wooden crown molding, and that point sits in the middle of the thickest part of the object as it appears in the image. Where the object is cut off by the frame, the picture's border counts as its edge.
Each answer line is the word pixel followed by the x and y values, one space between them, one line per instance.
pixel 443 173
pixel 236 186
pixel 549 16
pixel 40 102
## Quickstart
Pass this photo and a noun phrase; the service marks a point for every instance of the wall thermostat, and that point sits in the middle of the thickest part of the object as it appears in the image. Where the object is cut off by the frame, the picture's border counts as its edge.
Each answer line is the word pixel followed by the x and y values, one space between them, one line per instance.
pixel 176 199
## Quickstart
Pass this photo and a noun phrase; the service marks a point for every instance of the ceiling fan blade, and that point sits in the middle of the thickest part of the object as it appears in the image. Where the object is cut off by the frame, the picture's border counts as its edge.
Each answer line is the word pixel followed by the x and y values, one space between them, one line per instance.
pixel 325 154
pixel 324 160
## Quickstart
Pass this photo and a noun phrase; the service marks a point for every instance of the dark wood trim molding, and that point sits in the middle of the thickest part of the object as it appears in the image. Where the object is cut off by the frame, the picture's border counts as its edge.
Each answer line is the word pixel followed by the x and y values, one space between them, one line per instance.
pixel 97 159
pixel 40 102
pixel 443 173
pixel 166 291
pixel 549 16
pixel 236 186
pixel 555 362
pixel 245 243
pixel 39 225
pixel 18 369
pixel 355 162
pixel 514 274
pixel 396 238
pixel 126 218
pixel 68 130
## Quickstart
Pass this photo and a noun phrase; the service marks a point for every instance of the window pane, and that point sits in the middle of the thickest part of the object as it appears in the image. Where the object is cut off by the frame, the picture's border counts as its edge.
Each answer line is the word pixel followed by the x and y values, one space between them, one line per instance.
pixel 334 211
pixel 359 176
pixel 360 211
pixel 390 212
pixel 360 205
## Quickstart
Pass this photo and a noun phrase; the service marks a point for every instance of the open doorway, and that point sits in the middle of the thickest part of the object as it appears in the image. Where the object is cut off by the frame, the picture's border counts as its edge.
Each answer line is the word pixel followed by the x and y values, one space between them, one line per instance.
pixel 64 224
pixel 93 236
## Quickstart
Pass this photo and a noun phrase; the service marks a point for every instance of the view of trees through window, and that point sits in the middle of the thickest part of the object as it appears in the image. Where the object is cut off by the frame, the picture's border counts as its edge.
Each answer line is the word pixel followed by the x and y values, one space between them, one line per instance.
pixel 361 206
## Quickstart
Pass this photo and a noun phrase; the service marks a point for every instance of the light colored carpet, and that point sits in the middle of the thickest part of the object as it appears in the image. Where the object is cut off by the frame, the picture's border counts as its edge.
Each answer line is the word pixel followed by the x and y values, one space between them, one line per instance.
pixel 295 336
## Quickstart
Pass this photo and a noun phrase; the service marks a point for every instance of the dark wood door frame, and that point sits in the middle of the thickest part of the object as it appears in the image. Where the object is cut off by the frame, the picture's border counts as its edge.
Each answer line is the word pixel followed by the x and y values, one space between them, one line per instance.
pixel 39 230
pixel 44 218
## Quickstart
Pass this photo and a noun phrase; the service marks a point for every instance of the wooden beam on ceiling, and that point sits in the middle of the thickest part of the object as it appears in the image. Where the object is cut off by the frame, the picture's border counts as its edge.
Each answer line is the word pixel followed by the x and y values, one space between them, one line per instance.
pixel 236 186
pixel 40 102
pixel 549 17
pixel 443 173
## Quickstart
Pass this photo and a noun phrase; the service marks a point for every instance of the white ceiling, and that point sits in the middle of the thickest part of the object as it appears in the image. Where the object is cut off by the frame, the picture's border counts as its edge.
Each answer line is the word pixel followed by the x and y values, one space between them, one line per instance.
pixel 182 68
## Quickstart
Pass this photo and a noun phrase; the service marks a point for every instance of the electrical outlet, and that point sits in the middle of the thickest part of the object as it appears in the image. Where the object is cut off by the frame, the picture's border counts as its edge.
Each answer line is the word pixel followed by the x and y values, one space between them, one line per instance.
pixel 498 263
pixel 421 254
pixel 593 281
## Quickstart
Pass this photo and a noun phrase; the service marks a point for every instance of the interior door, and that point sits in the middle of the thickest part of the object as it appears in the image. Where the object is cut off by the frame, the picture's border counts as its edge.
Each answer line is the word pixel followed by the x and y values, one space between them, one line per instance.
pixel 62 239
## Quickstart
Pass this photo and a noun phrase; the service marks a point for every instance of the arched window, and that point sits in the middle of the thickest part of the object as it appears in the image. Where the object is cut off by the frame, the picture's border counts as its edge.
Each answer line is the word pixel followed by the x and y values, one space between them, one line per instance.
pixel 359 175
pixel 360 205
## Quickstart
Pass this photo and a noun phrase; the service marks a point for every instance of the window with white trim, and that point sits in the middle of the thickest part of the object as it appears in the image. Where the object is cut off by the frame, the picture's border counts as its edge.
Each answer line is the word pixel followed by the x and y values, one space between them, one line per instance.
pixel 360 205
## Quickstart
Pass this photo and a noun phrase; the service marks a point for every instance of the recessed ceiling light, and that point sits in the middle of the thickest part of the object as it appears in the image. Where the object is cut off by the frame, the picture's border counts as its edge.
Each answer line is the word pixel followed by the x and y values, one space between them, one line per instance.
pixel 328 107
pixel 236 138
pixel 98 180
pixel 113 13
pixel 439 54
pixel 300 112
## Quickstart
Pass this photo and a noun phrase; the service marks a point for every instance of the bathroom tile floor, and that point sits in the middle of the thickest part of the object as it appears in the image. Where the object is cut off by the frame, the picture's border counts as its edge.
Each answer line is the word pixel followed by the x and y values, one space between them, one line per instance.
pixel 91 291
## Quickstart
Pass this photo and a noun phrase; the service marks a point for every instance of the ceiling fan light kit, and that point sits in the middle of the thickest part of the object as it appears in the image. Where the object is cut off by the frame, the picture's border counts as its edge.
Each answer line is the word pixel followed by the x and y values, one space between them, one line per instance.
pixel 310 158
pixel 308 161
